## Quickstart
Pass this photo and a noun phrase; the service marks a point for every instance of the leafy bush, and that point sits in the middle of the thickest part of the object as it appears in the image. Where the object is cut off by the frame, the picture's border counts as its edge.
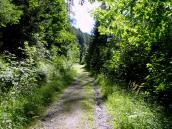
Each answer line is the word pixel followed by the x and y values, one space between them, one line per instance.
pixel 29 85
pixel 9 13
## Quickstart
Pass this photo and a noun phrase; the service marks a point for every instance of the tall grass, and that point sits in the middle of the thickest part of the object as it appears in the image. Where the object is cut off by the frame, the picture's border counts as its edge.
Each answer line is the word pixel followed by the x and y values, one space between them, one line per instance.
pixel 131 111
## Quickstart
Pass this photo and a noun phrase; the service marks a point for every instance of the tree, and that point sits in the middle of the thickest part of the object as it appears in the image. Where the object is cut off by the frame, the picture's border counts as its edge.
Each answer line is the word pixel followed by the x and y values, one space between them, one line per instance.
pixel 140 44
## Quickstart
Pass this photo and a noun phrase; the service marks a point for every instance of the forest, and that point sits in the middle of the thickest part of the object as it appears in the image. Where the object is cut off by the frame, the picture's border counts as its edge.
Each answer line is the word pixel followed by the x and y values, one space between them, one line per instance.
pixel 128 53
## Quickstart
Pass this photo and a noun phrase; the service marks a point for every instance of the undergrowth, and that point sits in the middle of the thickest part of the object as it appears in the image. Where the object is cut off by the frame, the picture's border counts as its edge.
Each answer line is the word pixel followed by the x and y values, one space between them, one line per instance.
pixel 131 111
pixel 28 86
pixel 19 111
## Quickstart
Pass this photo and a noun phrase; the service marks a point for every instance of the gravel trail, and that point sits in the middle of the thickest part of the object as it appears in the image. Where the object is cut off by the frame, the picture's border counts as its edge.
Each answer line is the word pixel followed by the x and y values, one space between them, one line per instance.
pixel 80 107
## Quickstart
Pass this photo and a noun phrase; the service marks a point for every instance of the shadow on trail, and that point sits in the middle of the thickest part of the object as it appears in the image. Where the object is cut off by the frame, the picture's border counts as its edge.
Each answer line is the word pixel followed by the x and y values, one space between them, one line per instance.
pixel 71 99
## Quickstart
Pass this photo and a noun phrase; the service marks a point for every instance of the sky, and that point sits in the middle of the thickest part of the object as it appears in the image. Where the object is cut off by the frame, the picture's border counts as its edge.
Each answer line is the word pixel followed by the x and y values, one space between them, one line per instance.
pixel 82 15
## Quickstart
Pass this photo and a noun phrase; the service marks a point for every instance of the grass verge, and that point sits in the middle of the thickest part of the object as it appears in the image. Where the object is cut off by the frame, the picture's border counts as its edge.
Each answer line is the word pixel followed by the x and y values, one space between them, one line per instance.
pixel 131 111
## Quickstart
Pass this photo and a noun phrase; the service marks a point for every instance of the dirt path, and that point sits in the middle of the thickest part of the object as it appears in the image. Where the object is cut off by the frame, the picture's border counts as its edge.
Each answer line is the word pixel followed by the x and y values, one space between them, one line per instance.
pixel 80 107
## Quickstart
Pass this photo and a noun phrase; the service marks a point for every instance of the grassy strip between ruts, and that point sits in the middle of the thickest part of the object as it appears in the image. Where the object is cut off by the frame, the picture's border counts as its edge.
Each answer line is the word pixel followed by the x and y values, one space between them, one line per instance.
pixel 130 111
pixel 89 105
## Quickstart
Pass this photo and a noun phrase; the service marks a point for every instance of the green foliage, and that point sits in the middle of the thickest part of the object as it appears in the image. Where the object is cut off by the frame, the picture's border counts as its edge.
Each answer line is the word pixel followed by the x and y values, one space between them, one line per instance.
pixel 28 86
pixel 83 41
pixel 138 44
pixel 37 53
pixel 96 53
pixel 132 45
pixel 9 13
